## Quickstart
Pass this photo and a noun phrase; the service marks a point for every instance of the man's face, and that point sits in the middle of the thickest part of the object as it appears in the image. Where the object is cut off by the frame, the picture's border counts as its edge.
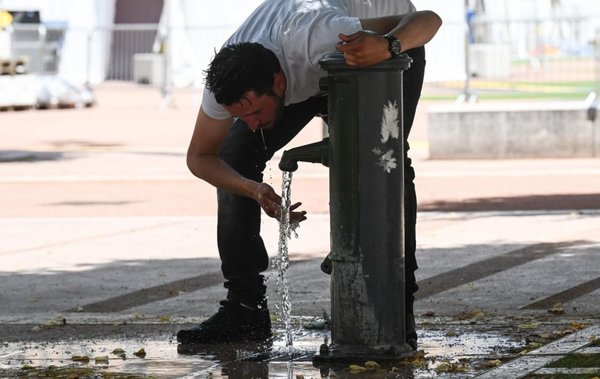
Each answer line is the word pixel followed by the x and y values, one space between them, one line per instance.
pixel 259 112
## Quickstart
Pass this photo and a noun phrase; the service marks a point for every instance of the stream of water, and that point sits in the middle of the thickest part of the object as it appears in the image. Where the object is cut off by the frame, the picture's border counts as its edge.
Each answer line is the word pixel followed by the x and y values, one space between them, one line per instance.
pixel 281 262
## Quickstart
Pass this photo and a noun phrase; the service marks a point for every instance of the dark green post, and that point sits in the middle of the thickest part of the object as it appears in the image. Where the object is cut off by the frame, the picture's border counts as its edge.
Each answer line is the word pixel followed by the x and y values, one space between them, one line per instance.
pixel 366 150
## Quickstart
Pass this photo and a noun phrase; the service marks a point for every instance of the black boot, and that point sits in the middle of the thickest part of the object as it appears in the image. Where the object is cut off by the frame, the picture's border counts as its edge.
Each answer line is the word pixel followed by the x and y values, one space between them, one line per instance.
pixel 234 322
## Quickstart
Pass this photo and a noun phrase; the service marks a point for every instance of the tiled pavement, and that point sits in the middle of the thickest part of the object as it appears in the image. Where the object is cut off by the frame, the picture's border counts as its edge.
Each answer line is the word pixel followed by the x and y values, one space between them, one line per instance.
pixel 114 229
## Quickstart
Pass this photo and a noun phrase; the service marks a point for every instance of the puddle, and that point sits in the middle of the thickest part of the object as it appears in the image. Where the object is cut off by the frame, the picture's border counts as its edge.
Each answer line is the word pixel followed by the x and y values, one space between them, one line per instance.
pixel 161 357
pixel 460 355
pixel 460 343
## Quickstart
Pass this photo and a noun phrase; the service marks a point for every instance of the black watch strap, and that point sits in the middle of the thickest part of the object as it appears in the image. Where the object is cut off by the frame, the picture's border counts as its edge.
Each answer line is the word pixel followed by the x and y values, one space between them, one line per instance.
pixel 393 45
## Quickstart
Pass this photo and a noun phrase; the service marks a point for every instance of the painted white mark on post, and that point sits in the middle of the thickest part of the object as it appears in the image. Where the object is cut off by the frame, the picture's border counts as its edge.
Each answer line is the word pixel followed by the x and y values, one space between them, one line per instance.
pixel 387 161
pixel 389 129
pixel 389 122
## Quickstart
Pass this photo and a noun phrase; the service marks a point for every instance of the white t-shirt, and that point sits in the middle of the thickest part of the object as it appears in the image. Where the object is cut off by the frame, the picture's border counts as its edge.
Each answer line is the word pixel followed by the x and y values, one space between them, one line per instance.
pixel 300 33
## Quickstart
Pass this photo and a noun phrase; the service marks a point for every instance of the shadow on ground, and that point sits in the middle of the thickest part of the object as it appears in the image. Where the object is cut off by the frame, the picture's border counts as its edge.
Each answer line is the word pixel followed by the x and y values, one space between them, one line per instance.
pixel 517 203
pixel 30 156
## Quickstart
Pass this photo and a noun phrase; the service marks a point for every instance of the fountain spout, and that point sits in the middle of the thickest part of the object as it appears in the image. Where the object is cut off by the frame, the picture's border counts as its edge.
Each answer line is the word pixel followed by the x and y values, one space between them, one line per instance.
pixel 317 152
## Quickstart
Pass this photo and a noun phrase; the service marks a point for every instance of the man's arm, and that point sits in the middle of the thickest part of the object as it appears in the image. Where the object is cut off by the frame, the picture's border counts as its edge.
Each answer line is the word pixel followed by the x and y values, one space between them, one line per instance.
pixel 368 46
pixel 204 162
pixel 203 156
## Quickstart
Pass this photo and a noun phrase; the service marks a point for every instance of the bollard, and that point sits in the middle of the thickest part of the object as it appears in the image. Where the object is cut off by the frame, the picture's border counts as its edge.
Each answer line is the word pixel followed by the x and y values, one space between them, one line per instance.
pixel 366 184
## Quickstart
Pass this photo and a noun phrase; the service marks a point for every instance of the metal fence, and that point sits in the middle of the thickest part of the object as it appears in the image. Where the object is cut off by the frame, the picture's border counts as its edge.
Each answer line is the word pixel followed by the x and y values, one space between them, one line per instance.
pixel 547 57
pixel 127 41
pixel 538 56
pixel 38 45
pixel 114 53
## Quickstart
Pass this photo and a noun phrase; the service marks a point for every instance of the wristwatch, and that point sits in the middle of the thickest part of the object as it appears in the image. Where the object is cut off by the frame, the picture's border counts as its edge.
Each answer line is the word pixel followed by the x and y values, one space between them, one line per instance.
pixel 393 45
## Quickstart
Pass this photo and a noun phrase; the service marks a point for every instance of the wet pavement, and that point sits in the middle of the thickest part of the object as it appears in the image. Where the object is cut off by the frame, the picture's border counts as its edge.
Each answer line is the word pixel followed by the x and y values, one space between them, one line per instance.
pixel 164 358
pixel 107 242
pixel 452 350
pixel 481 305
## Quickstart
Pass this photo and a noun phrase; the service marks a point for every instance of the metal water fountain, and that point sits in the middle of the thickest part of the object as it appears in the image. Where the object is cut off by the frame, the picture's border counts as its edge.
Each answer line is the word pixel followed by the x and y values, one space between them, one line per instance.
pixel 364 153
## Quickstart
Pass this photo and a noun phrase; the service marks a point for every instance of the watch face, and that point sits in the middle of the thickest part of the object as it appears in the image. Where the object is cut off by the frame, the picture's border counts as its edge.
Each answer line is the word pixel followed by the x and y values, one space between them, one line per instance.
pixel 394 46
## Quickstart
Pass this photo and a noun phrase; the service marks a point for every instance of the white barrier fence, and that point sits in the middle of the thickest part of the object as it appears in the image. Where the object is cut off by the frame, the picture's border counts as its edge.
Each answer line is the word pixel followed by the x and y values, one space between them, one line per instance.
pixel 510 52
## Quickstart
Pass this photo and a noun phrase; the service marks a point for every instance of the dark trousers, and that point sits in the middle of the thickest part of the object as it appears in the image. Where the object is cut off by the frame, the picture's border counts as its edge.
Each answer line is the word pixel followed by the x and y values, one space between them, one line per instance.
pixel 241 248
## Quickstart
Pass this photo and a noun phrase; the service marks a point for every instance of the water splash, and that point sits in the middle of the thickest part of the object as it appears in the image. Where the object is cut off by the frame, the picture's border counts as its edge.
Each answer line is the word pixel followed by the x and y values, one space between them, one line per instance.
pixel 281 262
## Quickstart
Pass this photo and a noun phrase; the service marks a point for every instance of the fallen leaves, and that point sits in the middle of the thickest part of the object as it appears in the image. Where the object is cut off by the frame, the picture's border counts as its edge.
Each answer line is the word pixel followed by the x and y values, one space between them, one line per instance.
pixel 557 309
pixel 105 359
pixel 80 358
pixel 141 353
pixel 102 359
pixel 370 367
pixel 119 353
pixel 356 369
pixel 452 367
pixel 419 360
pixel 530 325
pixel 492 364
pixel 577 325
pixel 533 345
pixel 476 314
pixel 57 321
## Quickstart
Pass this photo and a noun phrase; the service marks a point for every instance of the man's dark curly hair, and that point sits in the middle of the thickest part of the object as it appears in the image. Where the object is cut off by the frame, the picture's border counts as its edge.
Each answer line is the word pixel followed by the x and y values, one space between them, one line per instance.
pixel 239 68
